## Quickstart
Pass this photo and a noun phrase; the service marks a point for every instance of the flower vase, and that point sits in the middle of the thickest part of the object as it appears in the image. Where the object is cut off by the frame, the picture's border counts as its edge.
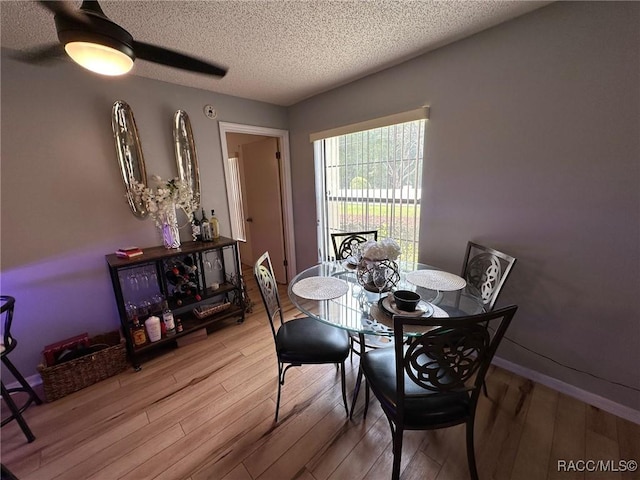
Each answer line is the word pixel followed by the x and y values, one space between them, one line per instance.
pixel 169 229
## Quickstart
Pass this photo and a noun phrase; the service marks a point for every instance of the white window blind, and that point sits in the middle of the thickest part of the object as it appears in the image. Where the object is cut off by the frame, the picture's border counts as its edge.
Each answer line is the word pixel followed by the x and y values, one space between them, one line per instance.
pixel 421 113
pixel 371 180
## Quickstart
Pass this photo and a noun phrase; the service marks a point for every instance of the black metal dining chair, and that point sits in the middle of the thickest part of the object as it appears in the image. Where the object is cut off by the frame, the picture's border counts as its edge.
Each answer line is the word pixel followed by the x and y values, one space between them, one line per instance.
pixel 344 243
pixel 486 271
pixel 433 381
pixel 9 343
pixel 299 341
pixel 6 474
pixel 343 246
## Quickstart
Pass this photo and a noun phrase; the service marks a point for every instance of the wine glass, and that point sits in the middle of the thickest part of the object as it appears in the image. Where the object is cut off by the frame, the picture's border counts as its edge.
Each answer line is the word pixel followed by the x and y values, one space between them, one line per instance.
pixel 132 310
pixel 157 302
pixel 217 264
pixel 144 279
pixel 207 263
pixel 144 308
pixel 133 281
pixel 380 276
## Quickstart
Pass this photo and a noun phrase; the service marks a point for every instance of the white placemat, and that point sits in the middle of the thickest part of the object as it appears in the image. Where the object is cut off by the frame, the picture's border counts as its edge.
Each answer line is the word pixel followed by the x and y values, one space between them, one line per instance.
pixel 320 288
pixel 436 280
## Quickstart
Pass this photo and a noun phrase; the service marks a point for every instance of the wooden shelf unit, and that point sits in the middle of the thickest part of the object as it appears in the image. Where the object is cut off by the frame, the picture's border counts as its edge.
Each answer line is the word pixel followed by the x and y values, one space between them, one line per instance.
pixel 183 278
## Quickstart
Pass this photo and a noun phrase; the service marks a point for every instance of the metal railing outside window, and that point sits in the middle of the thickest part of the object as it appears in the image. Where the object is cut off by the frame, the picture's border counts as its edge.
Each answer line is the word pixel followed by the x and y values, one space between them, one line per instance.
pixel 371 180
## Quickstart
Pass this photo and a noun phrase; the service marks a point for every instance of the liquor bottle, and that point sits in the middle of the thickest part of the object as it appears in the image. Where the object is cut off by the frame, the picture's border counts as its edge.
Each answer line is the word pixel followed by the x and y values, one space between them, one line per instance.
pixel 196 232
pixel 167 318
pixel 138 333
pixel 205 228
pixel 215 226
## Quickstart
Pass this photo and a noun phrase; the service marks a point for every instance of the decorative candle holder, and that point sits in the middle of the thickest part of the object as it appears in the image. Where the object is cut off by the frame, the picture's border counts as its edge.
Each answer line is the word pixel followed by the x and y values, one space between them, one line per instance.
pixel 366 268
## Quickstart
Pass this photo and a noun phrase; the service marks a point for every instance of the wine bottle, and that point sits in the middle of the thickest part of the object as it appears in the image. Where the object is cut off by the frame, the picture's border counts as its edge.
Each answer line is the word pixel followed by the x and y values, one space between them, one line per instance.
pixel 167 318
pixel 205 228
pixel 196 231
pixel 215 226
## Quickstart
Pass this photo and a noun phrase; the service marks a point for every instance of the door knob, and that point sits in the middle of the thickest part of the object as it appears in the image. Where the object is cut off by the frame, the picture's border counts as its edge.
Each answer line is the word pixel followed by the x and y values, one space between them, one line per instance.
pixel 249 219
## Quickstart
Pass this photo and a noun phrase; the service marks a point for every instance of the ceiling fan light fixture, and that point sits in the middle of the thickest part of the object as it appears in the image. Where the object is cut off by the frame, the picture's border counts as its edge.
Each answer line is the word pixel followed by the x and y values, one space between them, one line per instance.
pixel 99 58
pixel 96 43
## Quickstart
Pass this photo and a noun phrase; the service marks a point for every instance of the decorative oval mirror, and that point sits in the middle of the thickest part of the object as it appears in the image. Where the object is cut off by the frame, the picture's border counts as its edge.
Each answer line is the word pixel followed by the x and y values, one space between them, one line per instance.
pixel 129 153
pixel 186 158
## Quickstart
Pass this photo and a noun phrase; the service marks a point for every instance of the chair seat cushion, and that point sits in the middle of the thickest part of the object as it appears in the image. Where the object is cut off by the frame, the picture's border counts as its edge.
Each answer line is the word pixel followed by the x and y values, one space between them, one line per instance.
pixel 432 410
pixel 306 340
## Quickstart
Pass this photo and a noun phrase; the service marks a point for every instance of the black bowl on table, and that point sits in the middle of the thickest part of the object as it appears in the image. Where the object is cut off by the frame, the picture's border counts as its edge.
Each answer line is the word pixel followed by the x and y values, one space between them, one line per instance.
pixel 406 300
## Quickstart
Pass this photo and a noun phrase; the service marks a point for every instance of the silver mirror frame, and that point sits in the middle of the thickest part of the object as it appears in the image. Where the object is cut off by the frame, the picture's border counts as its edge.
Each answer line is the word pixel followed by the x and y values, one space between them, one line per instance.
pixel 186 157
pixel 129 151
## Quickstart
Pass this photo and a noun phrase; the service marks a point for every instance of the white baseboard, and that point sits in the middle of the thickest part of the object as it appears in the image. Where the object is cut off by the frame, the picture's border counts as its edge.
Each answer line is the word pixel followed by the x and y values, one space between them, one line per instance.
pixel 34 380
pixel 602 403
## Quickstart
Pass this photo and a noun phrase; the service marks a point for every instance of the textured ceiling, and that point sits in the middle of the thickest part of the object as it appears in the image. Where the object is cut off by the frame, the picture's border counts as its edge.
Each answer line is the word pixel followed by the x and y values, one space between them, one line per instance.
pixel 279 52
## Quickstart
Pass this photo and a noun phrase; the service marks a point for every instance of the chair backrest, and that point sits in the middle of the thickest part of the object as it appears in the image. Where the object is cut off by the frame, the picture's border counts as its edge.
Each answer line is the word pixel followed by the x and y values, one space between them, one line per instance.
pixel 263 271
pixel 454 356
pixel 486 271
pixel 7 304
pixel 343 243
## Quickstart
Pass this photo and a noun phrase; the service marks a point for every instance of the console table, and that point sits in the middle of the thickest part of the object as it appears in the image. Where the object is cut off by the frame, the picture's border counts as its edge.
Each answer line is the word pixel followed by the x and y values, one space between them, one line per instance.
pixel 193 279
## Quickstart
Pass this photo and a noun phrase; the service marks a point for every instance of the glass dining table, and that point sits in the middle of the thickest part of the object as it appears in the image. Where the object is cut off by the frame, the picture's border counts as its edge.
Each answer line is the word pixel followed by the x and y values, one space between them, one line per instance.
pixel 331 293
pixel 335 293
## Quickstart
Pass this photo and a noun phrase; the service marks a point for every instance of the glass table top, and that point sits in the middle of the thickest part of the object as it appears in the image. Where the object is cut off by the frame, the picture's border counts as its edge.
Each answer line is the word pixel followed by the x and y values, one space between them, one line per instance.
pixel 367 311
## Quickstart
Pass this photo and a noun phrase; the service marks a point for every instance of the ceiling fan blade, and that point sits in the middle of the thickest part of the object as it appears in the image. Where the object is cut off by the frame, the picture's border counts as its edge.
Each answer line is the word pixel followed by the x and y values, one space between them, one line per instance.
pixel 42 55
pixel 164 56
pixel 57 7
pixel 64 9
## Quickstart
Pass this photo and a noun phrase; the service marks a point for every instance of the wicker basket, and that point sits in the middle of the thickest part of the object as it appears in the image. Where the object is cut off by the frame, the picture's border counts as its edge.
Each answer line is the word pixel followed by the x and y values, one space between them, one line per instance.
pixel 205 311
pixel 74 375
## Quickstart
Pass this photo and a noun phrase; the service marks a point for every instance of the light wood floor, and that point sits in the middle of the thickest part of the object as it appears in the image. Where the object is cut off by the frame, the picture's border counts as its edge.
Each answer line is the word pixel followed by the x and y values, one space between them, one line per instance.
pixel 205 411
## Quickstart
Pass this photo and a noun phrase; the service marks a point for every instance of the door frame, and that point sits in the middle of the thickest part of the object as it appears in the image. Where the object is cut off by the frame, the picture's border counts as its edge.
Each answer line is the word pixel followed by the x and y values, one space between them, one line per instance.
pixel 285 177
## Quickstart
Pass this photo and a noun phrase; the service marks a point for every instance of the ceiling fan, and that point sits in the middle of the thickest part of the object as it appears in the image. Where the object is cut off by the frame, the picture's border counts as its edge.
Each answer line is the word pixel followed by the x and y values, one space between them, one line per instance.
pixel 97 43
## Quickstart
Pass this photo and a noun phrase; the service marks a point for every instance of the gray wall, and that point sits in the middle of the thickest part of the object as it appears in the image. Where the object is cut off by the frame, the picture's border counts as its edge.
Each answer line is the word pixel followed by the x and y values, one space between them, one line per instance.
pixel 532 148
pixel 63 205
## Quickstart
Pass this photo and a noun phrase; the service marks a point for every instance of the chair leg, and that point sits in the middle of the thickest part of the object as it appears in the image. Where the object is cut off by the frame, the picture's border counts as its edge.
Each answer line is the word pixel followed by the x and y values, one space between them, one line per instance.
pixel 471 456
pixel 344 388
pixel 280 382
pixel 7 474
pixel 366 398
pixel 397 453
pixel 18 376
pixel 484 389
pixel 16 414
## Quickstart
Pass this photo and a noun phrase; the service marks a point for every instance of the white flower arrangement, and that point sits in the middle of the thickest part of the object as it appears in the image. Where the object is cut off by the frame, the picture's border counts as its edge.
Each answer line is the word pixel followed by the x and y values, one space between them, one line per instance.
pixel 385 249
pixel 162 201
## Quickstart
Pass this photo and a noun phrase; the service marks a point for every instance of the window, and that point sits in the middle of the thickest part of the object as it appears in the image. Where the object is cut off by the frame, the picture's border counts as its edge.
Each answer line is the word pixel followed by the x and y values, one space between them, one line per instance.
pixel 371 180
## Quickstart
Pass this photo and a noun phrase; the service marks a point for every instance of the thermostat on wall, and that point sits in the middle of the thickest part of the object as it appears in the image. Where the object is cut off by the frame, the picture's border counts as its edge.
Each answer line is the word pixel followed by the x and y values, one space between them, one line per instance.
pixel 210 112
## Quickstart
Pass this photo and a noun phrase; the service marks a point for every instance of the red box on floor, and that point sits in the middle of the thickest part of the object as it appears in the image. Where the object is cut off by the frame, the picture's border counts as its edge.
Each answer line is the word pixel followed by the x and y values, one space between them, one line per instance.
pixel 53 351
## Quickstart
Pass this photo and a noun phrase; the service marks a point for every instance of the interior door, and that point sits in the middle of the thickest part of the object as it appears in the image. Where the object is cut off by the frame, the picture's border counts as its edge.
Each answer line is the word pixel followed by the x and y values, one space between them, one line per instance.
pixel 264 204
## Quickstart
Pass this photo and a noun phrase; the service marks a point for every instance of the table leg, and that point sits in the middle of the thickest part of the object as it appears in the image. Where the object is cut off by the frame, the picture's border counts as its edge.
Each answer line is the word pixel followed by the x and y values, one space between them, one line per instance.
pixel 356 389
